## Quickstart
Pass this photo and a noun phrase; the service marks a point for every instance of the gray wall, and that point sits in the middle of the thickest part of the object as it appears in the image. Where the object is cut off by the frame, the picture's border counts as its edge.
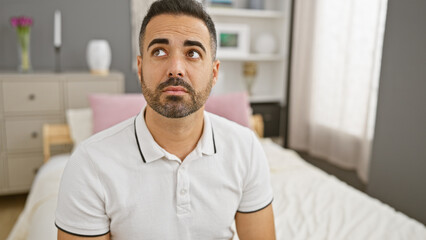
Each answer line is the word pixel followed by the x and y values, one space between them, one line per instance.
pixel 398 167
pixel 82 20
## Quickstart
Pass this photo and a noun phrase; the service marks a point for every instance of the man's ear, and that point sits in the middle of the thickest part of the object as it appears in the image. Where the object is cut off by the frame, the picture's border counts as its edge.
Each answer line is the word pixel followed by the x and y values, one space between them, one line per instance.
pixel 139 58
pixel 216 65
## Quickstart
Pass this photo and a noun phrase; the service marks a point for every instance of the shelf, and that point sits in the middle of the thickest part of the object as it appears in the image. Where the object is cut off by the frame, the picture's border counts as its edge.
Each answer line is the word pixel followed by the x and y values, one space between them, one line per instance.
pixel 240 12
pixel 264 99
pixel 254 57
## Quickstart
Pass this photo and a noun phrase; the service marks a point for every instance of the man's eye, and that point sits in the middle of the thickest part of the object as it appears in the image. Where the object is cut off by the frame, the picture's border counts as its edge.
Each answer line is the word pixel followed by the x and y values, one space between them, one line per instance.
pixel 193 54
pixel 159 52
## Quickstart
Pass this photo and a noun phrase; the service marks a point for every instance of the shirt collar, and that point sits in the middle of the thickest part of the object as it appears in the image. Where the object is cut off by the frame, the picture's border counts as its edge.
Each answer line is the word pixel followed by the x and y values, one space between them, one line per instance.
pixel 151 151
pixel 207 142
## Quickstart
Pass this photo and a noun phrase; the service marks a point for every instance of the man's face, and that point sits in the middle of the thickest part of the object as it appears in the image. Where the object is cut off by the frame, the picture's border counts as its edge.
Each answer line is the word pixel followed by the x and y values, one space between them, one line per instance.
pixel 176 68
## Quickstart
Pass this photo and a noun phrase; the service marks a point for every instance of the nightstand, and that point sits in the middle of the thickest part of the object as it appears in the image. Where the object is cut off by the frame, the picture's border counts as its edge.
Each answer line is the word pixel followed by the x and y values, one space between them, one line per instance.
pixel 272 115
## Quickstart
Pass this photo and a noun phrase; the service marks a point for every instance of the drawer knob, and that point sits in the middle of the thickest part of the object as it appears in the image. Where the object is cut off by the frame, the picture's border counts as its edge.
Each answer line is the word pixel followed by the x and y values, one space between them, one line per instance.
pixel 31 97
pixel 34 135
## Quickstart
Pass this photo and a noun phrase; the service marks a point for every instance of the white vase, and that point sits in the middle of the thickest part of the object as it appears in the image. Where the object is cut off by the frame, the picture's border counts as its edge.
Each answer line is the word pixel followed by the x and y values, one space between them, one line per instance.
pixel 98 56
pixel 255 4
pixel 265 43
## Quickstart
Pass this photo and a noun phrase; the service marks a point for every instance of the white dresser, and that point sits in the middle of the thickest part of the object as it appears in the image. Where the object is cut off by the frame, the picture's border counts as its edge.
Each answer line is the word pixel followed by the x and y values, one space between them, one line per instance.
pixel 27 101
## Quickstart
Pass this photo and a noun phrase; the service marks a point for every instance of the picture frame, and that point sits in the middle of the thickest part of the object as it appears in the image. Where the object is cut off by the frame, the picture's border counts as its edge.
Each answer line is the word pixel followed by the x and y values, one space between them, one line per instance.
pixel 233 40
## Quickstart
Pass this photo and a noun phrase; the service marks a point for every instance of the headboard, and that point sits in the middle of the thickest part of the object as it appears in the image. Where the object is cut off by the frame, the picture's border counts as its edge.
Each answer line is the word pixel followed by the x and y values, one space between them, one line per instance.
pixel 59 134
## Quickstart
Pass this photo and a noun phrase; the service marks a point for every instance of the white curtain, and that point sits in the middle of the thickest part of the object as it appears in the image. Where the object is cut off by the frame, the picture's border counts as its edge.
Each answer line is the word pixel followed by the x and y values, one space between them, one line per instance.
pixel 336 66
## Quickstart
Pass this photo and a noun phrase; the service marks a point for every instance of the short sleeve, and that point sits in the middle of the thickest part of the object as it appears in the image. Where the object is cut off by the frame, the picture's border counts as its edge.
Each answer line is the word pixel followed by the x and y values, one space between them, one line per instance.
pixel 257 192
pixel 81 199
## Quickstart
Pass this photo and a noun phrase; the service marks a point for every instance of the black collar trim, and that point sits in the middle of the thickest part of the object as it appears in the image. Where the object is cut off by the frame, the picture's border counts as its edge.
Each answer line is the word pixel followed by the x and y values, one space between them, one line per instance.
pixel 214 142
pixel 139 146
pixel 137 141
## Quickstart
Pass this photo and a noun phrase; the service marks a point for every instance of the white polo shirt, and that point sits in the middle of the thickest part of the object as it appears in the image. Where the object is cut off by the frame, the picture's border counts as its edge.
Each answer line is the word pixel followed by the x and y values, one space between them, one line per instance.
pixel 121 181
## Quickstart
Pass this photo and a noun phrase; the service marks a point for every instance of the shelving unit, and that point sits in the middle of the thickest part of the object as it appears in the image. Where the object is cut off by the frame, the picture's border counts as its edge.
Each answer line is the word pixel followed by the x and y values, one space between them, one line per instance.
pixel 271 76
pixel 271 79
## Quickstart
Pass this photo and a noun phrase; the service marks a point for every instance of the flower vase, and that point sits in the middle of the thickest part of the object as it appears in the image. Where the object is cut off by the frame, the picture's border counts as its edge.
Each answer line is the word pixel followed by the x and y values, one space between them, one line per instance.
pixel 24 51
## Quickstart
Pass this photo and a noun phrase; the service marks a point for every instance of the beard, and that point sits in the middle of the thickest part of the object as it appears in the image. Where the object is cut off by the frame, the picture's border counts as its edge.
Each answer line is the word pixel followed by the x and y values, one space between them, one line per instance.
pixel 176 106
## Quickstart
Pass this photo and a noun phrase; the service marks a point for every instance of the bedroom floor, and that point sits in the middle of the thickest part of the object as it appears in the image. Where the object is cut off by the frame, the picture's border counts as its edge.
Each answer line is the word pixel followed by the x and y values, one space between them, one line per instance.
pixel 10 208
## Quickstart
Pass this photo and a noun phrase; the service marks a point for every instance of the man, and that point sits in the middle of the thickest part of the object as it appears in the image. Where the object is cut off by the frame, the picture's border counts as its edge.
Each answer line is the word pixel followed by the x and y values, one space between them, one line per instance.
pixel 173 171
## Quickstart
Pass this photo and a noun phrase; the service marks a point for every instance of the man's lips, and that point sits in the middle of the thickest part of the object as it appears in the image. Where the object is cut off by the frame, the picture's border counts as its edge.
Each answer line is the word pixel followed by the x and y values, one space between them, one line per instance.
pixel 175 90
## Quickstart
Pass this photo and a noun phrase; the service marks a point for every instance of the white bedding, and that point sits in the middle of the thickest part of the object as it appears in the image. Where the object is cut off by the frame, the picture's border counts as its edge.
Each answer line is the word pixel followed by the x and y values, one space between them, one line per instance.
pixel 308 204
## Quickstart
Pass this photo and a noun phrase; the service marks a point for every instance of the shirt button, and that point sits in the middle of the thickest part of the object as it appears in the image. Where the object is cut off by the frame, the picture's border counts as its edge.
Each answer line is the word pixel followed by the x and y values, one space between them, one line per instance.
pixel 183 192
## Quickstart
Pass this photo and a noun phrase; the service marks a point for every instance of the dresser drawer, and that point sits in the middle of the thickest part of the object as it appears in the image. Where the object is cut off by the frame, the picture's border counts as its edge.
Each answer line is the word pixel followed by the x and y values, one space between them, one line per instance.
pixel 32 97
pixel 26 134
pixel 22 170
pixel 79 91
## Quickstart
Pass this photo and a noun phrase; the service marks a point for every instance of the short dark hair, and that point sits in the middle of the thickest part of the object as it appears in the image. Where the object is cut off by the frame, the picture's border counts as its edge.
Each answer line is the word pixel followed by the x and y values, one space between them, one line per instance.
pixel 179 7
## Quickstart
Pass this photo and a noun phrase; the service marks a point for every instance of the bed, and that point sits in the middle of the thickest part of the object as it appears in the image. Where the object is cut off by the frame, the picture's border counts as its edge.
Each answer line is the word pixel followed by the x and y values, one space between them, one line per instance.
pixel 308 203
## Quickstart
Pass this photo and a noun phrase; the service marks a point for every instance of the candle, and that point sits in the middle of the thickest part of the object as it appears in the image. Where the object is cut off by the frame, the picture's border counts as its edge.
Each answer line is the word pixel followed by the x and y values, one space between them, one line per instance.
pixel 57 29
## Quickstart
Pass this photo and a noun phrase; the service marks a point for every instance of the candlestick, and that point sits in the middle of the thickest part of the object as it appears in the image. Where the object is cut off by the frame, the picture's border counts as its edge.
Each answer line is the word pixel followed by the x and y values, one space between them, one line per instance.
pixel 57 29
pixel 57 59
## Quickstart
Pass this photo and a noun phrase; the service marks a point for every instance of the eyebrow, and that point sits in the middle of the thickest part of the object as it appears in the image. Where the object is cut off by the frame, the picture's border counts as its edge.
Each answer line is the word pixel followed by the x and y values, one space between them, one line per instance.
pixel 194 43
pixel 158 41
pixel 186 43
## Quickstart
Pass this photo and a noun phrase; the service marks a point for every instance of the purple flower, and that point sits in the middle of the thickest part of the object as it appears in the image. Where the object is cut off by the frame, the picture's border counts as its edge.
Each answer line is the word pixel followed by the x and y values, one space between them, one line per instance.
pixel 21 21
pixel 14 21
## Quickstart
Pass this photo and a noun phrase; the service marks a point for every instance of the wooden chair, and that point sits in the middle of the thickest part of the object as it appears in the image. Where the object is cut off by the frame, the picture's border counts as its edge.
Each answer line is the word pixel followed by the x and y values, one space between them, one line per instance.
pixel 55 134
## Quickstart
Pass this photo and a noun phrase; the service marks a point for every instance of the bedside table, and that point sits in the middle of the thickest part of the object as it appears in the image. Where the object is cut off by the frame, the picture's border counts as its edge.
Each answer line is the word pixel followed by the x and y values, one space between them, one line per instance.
pixel 272 115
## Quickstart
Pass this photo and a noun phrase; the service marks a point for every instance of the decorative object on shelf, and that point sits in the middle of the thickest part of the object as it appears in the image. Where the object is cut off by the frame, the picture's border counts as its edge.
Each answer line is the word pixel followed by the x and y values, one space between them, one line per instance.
pixel 98 56
pixel 250 72
pixel 265 43
pixel 220 3
pixel 256 4
pixel 232 40
pixel 57 42
pixel 23 29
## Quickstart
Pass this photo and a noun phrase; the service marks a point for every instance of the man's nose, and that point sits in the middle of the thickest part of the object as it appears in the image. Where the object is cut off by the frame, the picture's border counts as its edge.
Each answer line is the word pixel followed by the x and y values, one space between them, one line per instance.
pixel 176 67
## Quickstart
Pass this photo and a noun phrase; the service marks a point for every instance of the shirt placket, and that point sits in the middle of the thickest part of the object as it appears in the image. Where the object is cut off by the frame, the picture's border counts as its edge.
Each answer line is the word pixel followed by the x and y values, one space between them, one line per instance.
pixel 182 192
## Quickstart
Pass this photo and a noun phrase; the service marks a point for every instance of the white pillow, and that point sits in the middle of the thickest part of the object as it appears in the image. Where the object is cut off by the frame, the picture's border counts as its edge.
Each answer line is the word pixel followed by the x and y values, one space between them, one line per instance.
pixel 80 122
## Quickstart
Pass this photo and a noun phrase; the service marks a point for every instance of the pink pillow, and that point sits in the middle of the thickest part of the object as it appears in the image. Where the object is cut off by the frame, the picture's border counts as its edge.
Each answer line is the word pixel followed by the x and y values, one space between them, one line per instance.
pixel 233 106
pixel 109 109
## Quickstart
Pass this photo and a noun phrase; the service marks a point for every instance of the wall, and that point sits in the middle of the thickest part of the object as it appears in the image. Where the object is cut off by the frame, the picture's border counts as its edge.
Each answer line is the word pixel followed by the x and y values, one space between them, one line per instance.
pixel 82 21
pixel 398 166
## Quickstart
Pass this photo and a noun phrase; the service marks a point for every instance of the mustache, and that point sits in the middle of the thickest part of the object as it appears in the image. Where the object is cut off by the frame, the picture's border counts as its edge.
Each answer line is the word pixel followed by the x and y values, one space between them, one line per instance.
pixel 176 81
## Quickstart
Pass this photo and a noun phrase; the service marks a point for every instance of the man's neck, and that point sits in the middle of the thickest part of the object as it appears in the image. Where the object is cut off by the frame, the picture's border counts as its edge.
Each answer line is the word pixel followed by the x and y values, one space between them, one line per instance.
pixel 178 136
